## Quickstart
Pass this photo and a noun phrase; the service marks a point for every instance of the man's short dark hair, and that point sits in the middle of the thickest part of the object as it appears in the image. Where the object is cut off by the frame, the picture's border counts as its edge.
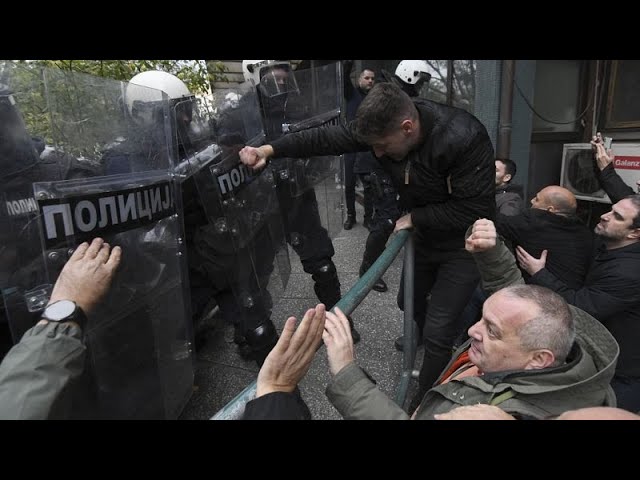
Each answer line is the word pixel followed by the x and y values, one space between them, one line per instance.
pixel 635 199
pixel 509 166
pixel 382 111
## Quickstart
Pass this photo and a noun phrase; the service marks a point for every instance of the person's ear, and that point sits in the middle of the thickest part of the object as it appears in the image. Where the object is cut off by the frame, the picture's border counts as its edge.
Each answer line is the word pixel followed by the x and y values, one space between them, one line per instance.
pixel 635 234
pixel 407 126
pixel 506 178
pixel 542 358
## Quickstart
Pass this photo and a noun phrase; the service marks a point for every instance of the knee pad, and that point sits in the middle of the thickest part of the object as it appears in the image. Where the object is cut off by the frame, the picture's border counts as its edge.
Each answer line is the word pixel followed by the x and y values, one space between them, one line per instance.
pixel 261 340
pixel 325 273
pixel 263 336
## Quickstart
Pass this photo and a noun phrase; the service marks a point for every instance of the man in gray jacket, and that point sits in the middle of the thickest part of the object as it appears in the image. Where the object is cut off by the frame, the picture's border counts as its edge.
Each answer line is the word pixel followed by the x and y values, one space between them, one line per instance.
pixel 521 355
pixel 38 374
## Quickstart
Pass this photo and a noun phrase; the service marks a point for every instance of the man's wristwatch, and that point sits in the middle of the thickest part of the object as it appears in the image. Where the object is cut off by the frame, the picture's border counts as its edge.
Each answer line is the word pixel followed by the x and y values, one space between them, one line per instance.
pixel 65 311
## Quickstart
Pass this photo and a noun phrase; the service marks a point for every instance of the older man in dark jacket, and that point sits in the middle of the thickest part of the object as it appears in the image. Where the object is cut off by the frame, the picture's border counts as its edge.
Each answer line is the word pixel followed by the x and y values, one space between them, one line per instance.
pixel 441 161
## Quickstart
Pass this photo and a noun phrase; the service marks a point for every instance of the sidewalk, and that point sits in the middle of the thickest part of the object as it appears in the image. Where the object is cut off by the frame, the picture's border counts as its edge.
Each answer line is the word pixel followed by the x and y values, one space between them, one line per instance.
pixel 221 374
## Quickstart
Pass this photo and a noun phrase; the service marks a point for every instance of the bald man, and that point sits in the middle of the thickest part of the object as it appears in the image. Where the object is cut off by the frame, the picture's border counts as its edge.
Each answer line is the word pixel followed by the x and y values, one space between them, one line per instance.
pixel 551 224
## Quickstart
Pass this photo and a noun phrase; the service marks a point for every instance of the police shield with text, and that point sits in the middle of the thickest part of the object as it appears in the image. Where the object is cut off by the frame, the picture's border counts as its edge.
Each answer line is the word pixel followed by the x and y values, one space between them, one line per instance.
pixel 140 361
pixel 287 105
pixel 234 233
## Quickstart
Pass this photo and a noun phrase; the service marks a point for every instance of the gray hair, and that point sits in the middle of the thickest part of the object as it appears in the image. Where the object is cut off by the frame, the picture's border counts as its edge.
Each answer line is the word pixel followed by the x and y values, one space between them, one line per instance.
pixel 552 328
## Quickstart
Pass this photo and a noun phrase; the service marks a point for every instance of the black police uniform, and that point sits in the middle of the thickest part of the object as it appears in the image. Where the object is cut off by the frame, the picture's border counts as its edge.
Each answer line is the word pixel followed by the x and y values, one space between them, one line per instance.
pixel 303 227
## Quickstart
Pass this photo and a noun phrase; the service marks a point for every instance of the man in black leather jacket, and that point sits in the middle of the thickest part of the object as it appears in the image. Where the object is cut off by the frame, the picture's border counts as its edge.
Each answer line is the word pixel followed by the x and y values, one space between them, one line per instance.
pixel 441 161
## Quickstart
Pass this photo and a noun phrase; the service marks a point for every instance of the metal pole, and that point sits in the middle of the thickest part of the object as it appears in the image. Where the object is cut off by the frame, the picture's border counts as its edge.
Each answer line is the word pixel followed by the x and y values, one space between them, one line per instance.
pixel 410 340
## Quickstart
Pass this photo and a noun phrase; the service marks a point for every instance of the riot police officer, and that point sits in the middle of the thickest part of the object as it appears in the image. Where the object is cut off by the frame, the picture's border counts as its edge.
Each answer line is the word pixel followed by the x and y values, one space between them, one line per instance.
pixel 275 84
pixel 23 160
pixel 409 75
pixel 221 271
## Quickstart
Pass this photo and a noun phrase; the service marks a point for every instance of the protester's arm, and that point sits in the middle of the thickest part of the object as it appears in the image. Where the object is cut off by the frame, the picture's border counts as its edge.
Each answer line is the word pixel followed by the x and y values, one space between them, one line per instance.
pixel 275 406
pixel 613 184
pixel 496 263
pixel 325 140
pixel 608 177
pixel 285 366
pixel 351 390
pixel 37 375
pixel 603 298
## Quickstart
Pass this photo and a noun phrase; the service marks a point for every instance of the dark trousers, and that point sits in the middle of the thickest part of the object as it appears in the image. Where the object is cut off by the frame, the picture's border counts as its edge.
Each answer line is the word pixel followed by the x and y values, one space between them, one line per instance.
pixel 303 228
pixel 350 183
pixel 386 210
pixel 311 241
pixel 451 277
pixel 471 314
pixel 350 178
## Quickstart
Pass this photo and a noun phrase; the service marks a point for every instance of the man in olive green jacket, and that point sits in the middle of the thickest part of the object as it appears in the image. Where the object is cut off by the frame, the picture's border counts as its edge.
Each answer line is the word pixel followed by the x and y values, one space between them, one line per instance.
pixel 521 356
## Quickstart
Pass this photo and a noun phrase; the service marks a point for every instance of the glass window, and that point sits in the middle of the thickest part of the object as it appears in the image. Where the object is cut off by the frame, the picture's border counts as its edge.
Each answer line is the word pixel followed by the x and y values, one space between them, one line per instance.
pixel 556 98
pixel 623 104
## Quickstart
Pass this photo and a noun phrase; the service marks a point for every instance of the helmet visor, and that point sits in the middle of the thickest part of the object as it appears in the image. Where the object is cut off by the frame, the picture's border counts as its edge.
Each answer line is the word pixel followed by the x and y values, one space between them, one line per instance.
pixel 277 80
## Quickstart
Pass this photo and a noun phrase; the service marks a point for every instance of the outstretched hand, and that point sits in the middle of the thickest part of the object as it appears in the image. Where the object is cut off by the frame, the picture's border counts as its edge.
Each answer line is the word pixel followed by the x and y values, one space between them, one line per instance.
pixel 337 337
pixel 289 361
pixel 483 236
pixel 87 276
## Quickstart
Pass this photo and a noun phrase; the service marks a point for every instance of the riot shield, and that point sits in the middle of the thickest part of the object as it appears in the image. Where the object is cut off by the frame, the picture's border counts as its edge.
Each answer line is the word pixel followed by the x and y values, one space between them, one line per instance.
pixel 241 205
pixel 111 177
pixel 319 102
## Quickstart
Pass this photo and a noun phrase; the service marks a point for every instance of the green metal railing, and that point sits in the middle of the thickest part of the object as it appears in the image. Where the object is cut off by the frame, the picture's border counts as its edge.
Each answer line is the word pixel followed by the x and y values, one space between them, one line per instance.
pixel 235 408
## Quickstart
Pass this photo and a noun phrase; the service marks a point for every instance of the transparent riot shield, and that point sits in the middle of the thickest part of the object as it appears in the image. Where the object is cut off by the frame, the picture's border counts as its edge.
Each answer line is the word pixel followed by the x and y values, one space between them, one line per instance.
pixel 105 173
pixel 241 205
pixel 319 102
pixel 330 195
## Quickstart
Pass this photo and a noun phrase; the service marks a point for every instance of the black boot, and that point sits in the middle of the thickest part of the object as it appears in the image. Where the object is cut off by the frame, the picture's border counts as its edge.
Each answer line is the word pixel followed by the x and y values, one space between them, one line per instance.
pixel 349 222
pixel 261 340
pixel 399 343
pixel 380 286
pixel 375 245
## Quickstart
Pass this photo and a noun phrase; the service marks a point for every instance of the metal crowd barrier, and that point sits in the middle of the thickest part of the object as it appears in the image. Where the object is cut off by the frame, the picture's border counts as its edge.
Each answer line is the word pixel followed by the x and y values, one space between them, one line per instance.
pixel 349 302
